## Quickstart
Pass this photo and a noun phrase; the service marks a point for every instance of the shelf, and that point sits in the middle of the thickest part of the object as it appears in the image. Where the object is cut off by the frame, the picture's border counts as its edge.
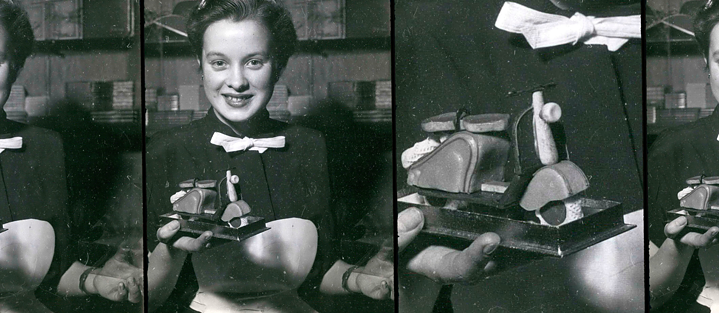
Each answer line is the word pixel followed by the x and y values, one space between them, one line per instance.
pixel 675 47
pixel 182 48
pixel 104 44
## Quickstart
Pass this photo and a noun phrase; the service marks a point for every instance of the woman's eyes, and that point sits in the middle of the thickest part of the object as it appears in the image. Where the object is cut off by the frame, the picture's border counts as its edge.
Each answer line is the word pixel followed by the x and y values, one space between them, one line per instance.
pixel 254 64
pixel 251 64
pixel 218 64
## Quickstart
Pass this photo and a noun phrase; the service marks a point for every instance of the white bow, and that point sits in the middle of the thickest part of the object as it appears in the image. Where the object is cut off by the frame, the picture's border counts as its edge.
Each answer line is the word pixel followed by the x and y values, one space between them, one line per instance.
pixel 10 143
pixel 232 144
pixel 547 30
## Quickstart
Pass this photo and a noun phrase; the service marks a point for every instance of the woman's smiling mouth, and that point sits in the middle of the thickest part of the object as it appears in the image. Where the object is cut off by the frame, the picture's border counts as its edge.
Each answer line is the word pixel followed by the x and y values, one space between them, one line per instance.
pixel 237 100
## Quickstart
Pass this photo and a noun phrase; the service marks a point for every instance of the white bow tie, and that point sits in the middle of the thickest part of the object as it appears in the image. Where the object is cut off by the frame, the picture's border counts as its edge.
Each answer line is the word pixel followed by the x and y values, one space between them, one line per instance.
pixel 10 143
pixel 547 30
pixel 232 144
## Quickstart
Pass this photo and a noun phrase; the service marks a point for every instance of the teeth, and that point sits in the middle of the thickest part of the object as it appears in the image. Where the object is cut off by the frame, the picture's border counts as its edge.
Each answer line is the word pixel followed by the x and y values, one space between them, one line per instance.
pixel 237 101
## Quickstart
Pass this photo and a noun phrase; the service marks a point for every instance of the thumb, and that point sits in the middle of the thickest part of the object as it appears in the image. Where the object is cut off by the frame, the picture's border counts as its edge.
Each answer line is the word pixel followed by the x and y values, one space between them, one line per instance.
pixel 409 223
pixel 169 230
pixel 674 227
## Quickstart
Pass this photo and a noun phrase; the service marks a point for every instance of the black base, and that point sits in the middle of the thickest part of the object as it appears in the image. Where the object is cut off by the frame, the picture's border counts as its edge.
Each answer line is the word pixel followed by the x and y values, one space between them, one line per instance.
pixel 603 219
pixel 196 227
pixel 698 221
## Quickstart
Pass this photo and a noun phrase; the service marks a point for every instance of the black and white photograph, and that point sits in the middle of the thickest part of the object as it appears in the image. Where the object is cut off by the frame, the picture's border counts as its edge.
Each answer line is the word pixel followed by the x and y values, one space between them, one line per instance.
pixel 352 156
pixel 519 156
pixel 269 156
pixel 682 136
pixel 71 227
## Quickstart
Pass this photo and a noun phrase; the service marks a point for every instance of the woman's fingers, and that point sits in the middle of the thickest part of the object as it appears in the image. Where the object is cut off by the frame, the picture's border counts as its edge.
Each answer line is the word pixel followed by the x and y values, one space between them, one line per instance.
pixel 674 227
pixel 168 231
pixel 697 240
pixel 193 244
pixel 378 288
pixel 474 261
pixel 409 223
pixel 704 240
pixel 168 234
pixel 134 294
pixel 446 265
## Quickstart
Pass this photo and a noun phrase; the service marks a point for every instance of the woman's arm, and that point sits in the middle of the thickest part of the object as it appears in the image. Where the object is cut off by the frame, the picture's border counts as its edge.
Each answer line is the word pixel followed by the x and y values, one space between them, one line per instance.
pixel 668 263
pixel 332 281
pixel 166 261
pixel 124 286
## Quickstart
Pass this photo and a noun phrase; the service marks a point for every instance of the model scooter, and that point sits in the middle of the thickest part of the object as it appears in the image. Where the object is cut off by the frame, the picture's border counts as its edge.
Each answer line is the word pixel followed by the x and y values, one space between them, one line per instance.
pixel 469 165
pixel 199 206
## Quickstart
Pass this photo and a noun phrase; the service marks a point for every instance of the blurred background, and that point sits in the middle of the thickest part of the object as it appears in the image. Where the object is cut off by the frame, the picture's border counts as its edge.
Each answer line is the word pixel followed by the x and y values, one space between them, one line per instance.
pixel 83 81
pixel 678 89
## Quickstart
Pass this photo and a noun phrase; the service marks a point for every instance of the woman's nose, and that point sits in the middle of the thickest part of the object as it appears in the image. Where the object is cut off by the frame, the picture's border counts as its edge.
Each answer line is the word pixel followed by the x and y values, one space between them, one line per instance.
pixel 237 80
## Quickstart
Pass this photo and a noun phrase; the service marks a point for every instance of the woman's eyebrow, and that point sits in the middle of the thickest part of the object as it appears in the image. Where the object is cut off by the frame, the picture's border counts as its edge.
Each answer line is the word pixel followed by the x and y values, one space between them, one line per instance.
pixel 214 54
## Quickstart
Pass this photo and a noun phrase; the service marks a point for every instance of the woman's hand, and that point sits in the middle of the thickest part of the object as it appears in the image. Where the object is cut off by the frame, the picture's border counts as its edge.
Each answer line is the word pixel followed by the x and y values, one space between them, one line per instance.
pixel 376 279
pixel 445 265
pixel 119 279
pixel 166 234
pixel 668 263
pixel 692 239
pixel 116 289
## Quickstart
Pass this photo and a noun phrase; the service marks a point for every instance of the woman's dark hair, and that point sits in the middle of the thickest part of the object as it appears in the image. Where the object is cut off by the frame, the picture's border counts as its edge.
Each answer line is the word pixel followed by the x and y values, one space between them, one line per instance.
pixel 19 31
pixel 704 23
pixel 268 12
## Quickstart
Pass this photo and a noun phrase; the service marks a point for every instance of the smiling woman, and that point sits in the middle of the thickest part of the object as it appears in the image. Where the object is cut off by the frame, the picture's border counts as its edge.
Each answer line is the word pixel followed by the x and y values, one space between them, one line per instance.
pixel 279 172
pixel 238 79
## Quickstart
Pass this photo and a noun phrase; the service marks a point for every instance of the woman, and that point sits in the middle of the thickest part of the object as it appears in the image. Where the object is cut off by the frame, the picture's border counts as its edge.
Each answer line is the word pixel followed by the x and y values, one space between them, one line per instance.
pixel 679 279
pixel 242 46
pixel 36 257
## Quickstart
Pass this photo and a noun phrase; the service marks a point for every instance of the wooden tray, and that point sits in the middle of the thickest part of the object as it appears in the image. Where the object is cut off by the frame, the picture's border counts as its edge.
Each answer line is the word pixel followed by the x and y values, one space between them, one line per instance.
pixel 603 219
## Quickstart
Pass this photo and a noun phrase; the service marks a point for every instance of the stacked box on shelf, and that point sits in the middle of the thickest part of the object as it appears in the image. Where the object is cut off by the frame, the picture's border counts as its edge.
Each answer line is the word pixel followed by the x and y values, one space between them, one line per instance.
pixel 93 96
pixel 278 103
pixel 383 94
pixel 166 119
pixel 16 100
pixel 168 103
pixel 151 99
pixel 651 114
pixel 705 112
pixel 196 115
pixel 123 95
pixel 677 116
pixel 655 96
pixel 116 116
pixel 383 115
pixel 355 95
pixel 15 105
pixel 675 100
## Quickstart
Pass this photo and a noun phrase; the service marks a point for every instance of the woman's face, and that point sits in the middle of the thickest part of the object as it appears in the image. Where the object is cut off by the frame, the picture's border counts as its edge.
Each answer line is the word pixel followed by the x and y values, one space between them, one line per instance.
pixel 6 79
pixel 238 69
pixel 714 61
